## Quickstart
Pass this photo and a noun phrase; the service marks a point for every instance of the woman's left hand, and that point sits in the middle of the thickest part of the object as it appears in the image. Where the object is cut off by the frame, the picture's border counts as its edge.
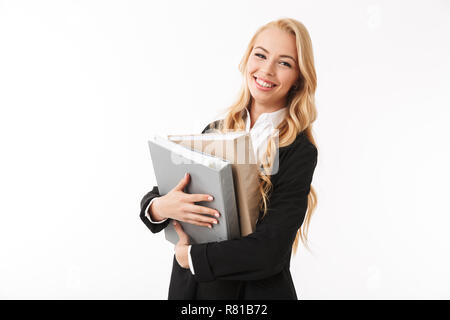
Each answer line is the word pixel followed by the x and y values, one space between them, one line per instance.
pixel 181 248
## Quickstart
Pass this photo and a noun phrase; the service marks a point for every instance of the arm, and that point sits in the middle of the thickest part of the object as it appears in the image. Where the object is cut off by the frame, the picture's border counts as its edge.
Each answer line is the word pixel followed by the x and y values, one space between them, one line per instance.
pixel 264 252
pixel 149 213
pixel 157 226
pixel 145 204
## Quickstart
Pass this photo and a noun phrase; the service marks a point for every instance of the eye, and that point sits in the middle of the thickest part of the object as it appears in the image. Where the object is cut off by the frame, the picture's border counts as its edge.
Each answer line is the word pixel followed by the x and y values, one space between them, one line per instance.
pixel 263 56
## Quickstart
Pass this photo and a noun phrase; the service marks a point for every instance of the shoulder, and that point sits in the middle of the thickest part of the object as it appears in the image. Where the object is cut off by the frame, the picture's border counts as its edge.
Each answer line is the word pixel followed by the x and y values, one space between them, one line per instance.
pixel 296 166
pixel 296 159
pixel 212 125
pixel 300 147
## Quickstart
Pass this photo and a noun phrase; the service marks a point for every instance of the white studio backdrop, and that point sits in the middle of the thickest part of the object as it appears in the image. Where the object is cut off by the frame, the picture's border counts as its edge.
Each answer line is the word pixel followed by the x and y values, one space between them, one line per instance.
pixel 83 84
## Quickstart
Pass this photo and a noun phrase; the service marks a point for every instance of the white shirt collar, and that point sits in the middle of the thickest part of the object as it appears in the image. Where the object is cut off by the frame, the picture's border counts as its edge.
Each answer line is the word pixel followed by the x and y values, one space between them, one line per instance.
pixel 275 118
pixel 264 127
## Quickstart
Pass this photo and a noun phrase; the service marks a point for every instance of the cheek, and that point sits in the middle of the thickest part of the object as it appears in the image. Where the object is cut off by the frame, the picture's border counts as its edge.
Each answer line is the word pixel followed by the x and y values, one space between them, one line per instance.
pixel 251 67
pixel 255 63
pixel 288 79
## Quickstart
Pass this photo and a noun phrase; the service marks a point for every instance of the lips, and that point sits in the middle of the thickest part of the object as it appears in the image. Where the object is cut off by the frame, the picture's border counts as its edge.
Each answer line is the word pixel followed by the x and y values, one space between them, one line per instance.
pixel 269 82
pixel 262 88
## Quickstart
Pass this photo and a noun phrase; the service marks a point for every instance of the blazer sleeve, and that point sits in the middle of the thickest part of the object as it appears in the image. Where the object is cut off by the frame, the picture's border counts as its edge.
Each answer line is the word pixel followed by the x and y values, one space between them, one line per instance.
pixel 266 251
pixel 157 227
pixel 154 227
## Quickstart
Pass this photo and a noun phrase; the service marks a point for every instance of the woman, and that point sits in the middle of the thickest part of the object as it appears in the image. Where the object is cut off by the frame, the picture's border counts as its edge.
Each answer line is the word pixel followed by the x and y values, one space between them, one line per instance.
pixel 278 92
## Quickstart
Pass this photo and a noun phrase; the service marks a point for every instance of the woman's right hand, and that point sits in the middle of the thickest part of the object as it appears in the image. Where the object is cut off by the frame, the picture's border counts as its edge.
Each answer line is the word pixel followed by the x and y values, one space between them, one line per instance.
pixel 180 206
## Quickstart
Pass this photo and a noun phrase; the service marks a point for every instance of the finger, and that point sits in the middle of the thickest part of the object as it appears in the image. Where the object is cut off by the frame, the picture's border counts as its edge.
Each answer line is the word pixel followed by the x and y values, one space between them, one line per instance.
pixel 202 210
pixel 184 238
pixel 201 224
pixel 196 222
pixel 200 218
pixel 197 197
pixel 183 182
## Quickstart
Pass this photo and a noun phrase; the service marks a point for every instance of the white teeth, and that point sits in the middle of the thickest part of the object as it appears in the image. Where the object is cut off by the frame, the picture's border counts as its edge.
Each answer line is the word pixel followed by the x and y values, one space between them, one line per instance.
pixel 264 84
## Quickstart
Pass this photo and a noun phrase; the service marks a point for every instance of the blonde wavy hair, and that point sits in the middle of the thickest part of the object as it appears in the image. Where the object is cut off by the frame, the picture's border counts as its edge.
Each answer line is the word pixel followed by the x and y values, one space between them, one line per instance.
pixel 302 113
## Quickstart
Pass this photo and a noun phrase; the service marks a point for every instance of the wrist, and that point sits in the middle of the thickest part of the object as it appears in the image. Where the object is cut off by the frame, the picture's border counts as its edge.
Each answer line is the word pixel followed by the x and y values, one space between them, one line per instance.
pixel 154 211
pixel 182 255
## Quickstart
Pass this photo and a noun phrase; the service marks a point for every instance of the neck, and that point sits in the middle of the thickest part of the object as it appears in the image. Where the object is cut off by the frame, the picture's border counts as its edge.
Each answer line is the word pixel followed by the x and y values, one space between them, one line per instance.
pixel 257 109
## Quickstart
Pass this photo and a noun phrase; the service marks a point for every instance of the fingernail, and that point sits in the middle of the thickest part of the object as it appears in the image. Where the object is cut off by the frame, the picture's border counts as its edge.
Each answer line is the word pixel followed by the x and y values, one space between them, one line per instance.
pixel 215 221
pixel 209 226
pixel 210 198
pixel 185 175
pixel 174 223
pixel 217 215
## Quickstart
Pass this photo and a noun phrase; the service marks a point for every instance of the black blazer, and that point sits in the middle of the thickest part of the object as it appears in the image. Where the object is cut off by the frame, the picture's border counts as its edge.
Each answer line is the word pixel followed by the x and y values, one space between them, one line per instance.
pixel 256 266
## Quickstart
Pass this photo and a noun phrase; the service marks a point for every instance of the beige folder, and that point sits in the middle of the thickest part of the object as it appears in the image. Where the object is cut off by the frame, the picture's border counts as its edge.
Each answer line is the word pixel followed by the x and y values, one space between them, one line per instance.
pixel 237 148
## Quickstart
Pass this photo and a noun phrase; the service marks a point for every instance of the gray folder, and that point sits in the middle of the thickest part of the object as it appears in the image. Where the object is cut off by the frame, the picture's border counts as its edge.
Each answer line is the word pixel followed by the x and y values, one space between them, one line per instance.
pixel 209 175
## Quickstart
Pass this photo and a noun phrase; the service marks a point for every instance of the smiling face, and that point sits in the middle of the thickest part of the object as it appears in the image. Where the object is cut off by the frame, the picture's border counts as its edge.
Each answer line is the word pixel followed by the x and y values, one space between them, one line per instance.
pixel 274 60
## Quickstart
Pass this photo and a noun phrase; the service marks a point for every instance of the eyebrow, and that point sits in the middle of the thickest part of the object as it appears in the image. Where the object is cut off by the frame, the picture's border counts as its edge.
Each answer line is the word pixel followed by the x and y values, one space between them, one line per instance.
pixel 282 56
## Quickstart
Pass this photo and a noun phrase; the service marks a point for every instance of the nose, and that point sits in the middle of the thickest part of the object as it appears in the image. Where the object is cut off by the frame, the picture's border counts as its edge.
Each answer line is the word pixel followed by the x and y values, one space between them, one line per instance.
pixel 268 69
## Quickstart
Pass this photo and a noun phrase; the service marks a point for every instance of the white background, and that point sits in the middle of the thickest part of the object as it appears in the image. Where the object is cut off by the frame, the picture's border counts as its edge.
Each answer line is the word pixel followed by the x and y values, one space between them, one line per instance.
pixel 83 84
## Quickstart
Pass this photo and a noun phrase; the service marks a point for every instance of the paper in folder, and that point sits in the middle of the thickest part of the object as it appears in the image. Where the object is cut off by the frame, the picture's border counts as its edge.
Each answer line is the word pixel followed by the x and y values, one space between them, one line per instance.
pixel 209 175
